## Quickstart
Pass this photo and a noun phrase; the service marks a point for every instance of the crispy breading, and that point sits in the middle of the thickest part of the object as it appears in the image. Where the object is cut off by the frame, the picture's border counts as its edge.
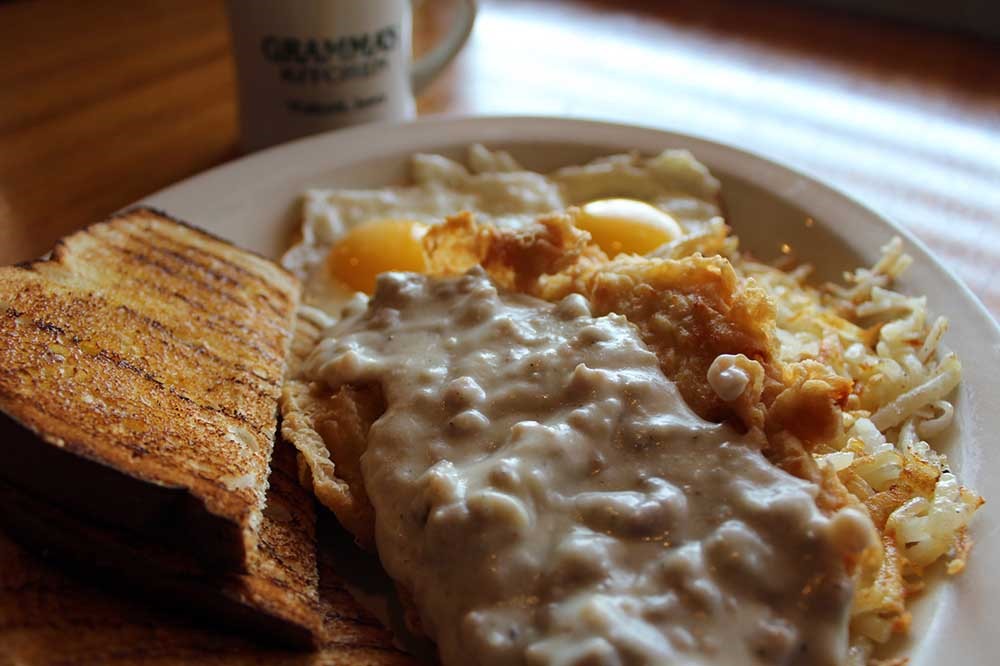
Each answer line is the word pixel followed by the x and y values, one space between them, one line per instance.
pixel 330 430
pixel 689 311
pixel 517 259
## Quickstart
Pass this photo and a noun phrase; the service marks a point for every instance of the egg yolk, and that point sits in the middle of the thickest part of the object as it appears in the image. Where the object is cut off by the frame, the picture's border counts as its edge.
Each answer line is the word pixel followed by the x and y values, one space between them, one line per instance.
pixel 376 247
pixel 627 225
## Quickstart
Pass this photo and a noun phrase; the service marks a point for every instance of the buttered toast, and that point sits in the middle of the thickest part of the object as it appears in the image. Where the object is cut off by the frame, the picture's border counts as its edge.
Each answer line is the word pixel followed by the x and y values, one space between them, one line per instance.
pixel 143 361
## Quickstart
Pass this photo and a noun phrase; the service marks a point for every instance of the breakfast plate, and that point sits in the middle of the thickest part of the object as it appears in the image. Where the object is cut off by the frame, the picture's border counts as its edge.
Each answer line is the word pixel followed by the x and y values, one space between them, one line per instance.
pixel 774 209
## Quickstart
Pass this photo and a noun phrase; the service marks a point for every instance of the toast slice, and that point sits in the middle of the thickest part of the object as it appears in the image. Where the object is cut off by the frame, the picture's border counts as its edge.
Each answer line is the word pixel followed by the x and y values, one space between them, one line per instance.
pixel 143 361
pixel 51 616
pixel 277 598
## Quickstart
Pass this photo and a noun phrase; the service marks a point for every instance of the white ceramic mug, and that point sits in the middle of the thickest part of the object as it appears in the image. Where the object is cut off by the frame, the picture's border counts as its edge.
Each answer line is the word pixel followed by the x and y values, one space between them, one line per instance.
pixel 306 66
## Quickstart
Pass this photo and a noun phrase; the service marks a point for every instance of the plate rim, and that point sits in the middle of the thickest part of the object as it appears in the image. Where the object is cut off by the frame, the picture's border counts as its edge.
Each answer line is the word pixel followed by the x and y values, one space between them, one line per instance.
pixel 452 130
pixel 435 121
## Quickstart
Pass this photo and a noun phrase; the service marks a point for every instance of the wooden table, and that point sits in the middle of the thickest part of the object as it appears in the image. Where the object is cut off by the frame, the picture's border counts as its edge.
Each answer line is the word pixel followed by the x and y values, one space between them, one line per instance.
pixel 104 102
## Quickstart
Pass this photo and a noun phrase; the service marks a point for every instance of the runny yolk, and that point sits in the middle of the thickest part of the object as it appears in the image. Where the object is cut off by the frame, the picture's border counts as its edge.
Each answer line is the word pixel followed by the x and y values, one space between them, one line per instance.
pixel 627 225
pixel 376 247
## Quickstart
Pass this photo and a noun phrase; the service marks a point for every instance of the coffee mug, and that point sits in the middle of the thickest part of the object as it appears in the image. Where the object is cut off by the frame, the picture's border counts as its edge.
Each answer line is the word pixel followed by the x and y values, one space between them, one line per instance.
pixel 307 66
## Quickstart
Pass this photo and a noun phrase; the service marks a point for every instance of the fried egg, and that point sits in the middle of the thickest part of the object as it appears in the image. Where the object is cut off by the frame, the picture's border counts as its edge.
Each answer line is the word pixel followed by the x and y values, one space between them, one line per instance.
pixel 628 203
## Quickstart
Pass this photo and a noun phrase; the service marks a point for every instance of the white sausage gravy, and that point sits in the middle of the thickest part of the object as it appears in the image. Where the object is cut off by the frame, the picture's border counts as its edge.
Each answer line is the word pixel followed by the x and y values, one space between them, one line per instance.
pixel 547 497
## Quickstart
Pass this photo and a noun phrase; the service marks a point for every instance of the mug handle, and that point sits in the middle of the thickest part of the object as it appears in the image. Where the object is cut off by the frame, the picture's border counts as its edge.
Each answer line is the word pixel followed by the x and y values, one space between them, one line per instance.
pixel 429 66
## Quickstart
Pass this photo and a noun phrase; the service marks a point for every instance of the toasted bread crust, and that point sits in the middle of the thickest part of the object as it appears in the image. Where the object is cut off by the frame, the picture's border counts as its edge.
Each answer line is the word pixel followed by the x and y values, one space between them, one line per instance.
pixel 277 597
pixel 56 617
pixel 155 351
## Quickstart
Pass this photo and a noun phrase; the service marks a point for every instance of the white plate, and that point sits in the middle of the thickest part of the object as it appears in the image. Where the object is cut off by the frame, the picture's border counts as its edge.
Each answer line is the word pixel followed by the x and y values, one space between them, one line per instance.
pixel 253 202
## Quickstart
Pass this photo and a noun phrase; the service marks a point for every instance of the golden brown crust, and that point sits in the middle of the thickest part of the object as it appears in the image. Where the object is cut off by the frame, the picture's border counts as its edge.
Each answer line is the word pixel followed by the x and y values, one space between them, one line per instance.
pixel 49 616
pixel 688 310
pixel 155 352
pixel 277 597
pixel 547 255
pixel 330 430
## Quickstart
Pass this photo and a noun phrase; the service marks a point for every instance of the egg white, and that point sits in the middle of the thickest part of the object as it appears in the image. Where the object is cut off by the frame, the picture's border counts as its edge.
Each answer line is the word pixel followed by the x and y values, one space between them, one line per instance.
pixel 497 189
